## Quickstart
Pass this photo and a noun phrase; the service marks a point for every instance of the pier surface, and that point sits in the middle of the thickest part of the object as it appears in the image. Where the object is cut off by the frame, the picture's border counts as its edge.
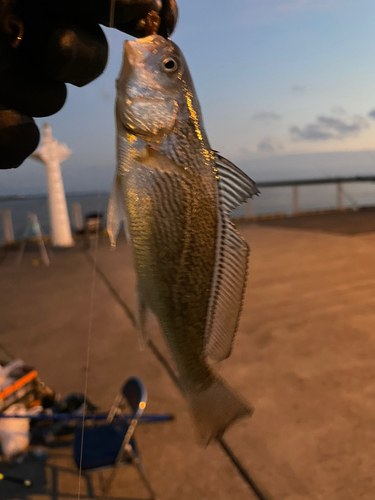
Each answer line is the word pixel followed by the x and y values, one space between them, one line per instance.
pixel 304 356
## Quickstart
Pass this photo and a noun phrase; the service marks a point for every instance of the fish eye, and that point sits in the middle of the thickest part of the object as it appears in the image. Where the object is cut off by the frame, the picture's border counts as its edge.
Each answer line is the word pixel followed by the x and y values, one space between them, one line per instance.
pixel 170 65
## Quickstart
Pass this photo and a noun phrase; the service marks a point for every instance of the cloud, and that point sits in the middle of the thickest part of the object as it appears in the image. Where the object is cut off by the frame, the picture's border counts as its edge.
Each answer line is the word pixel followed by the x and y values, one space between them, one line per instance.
pixel 338 110
pixel 266 117
pixel 298 89
pixel 328 127
pixel 372 114
pixel 269 145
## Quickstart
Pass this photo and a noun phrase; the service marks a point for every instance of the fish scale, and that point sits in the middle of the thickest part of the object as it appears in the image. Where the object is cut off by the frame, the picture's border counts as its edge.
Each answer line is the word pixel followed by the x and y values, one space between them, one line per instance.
pixel 175 193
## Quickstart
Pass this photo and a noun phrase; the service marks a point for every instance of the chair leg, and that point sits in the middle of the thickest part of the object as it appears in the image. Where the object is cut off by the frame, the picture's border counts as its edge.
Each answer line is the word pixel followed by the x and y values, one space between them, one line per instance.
pixel 90 492
pixel 101 483
pixel 106 484
pixel 137 461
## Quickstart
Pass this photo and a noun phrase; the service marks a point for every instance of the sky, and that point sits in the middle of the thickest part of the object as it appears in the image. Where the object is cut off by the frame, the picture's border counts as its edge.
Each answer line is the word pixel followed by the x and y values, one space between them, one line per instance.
pixel 287 90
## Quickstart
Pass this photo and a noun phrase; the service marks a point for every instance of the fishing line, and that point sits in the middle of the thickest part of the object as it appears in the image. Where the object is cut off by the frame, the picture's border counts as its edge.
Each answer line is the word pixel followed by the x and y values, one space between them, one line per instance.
pixel 112 14
pixel 91 313
pixel 93 281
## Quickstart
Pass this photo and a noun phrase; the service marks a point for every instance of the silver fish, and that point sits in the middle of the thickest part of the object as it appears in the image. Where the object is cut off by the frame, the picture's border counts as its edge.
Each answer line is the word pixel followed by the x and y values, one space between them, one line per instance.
pixel 175 194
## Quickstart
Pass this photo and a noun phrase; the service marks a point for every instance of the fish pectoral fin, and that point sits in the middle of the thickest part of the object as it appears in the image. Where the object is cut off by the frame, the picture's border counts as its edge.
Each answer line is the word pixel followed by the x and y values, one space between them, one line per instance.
pixel 116 212
pixel 155 160
pixel 142 322
pixel 235 187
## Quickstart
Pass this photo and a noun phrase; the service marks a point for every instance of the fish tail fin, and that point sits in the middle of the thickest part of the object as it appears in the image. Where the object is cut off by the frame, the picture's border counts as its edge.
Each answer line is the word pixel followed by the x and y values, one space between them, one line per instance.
pixel 214 409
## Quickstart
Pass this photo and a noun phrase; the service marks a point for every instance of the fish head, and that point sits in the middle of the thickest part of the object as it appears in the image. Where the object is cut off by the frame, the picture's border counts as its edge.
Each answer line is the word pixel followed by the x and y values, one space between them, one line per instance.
pixel 149 88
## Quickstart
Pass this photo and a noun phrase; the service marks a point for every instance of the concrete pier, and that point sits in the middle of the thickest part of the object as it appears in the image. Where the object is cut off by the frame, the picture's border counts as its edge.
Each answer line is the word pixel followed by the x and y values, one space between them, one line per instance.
pixel 304 356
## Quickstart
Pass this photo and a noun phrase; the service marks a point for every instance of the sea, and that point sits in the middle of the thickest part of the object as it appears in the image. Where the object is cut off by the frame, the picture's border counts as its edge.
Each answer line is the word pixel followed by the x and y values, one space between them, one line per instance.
pixel 270 201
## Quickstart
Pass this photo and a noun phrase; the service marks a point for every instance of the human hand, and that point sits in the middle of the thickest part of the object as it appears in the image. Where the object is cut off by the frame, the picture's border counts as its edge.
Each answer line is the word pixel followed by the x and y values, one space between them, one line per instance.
pixel 45 44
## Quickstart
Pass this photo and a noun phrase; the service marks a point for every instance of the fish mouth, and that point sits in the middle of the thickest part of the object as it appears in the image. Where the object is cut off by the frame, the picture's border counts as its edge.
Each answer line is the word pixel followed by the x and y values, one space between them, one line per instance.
pixel 135 51
pixel 128 62
pixel 131 55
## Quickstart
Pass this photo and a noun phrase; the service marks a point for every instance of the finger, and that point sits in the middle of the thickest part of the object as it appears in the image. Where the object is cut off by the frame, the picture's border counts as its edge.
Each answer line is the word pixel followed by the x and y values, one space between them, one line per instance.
pixel 168 17
pixel 6 54
pixel 19 137
pixel 60 43
pixel 76 54
pixel 126 12
pixel 11 26
pixel 33 96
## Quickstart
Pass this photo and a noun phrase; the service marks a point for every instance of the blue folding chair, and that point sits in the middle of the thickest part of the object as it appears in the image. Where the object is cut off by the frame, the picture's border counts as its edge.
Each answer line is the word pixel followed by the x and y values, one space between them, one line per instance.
pixel 111 445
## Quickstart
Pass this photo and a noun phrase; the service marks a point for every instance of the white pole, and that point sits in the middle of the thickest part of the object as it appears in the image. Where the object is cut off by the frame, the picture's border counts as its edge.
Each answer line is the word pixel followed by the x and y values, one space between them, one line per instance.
pixel 77 217
pixel 52 153
pixel 339 196
pixel 7 226
pixel 295 200
pixel 58 210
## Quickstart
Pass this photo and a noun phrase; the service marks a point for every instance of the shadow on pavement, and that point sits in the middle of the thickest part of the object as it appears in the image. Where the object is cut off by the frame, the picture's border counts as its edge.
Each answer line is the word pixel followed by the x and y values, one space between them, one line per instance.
pixel 46 482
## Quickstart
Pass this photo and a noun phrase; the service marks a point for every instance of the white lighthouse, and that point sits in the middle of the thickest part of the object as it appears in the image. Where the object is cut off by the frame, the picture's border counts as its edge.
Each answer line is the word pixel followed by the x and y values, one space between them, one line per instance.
pixel 52 153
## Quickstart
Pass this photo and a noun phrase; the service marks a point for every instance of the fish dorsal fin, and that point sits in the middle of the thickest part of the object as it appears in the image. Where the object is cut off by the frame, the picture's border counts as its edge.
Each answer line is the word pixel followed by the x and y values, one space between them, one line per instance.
pixel 228 290
pixel 232 257
pixel 116 213
pixel 234 185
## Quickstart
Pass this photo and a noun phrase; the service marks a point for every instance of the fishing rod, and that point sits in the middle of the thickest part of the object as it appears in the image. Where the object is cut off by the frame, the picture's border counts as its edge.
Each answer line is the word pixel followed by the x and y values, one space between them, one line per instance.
pixel 98 417
pixel 18 480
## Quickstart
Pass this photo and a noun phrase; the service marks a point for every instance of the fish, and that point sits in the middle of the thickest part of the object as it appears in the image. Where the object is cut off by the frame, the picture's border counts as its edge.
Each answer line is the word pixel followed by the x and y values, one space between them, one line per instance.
pixel 175 195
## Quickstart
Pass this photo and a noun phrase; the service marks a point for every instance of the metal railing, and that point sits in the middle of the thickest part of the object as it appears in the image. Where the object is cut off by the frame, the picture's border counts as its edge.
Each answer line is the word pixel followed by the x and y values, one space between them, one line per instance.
pixel 14 211
pixel 295 186
pixel 291 202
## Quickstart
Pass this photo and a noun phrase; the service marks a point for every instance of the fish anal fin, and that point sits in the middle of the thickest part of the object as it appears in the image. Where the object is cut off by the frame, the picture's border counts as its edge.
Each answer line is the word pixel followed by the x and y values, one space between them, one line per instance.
pixel 229 285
